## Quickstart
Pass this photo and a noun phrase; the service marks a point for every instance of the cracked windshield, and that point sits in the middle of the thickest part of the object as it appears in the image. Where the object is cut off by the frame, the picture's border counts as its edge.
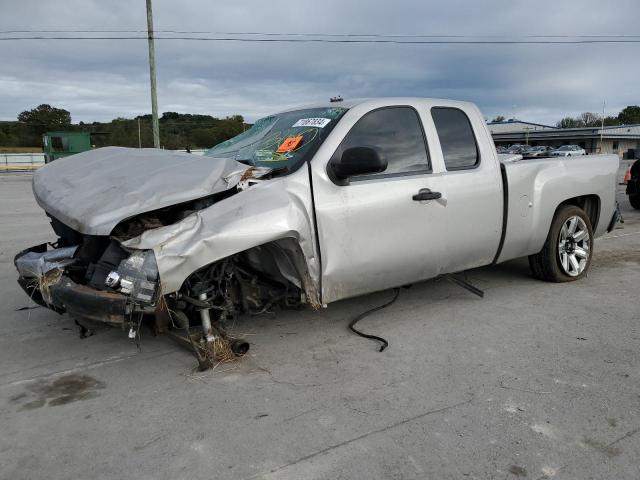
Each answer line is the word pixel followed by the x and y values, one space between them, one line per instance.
pixel 280 140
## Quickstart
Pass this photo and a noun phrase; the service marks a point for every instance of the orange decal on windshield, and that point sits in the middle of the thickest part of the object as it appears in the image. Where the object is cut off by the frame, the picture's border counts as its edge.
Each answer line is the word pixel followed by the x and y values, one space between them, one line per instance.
pixel 289 144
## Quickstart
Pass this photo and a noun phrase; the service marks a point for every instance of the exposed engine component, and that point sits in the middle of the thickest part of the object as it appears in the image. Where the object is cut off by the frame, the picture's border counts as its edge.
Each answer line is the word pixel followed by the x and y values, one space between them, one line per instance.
pixel 112 280
pixel 135 226
pixel 165 216
pixel 216 295
pixel 206 320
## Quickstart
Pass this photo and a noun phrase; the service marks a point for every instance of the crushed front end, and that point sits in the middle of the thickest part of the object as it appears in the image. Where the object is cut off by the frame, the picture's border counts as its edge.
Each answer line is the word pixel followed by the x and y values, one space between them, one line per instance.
pixel 94 279
pixel 99 279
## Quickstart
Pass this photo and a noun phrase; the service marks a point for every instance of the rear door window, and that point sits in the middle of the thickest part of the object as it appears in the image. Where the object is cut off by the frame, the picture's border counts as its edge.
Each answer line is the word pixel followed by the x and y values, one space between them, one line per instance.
pixel 459 147
pixel 396 132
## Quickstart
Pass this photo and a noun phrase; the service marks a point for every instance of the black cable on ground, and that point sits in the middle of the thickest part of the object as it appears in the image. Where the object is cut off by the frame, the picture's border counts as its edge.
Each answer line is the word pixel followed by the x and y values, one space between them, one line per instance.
pixel 385 344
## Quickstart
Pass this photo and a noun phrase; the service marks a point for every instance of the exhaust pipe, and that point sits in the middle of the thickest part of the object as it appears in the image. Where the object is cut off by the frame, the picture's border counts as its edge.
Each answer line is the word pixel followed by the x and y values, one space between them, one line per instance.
pixel 239 346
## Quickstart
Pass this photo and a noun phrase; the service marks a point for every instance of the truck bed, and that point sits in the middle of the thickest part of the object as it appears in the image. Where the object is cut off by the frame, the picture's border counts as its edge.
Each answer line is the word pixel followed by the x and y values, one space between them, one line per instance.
pixel 533 188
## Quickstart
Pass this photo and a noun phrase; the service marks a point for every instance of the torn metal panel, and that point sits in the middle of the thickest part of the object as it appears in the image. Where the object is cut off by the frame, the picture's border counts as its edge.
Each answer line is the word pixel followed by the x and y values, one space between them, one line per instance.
pixel 36 264
pixel 93 191
pixel 282 264
pixel 269 211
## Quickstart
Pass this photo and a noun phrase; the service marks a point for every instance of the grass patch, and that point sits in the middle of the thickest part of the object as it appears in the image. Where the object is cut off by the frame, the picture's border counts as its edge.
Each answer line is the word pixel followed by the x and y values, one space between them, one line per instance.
pixel 20 149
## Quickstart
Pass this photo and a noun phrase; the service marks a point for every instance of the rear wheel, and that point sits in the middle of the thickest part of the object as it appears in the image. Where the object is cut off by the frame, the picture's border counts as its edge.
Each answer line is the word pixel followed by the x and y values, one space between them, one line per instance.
pixel 567 253
pixel 634 200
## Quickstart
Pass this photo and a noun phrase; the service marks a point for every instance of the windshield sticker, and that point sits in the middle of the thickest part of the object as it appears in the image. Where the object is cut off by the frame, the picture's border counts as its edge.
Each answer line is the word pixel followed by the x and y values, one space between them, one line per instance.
pixel 267 156
pixel 312 122
pixel 289 144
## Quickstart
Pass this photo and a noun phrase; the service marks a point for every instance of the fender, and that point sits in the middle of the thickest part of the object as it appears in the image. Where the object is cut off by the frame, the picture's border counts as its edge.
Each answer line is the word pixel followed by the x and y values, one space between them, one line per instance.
pixel 267 212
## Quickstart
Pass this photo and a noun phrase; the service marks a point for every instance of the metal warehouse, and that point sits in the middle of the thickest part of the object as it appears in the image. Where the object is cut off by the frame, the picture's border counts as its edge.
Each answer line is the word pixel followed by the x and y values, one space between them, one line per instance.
pixel 623 140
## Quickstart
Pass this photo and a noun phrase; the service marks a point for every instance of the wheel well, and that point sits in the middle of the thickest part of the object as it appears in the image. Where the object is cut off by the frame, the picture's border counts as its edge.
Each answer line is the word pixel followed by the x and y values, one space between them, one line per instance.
pixel 281 261
pixel 590 204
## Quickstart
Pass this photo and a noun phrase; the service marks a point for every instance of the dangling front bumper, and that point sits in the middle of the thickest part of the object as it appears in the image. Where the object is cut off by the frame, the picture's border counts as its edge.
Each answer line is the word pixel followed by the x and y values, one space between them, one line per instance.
pixel 42 275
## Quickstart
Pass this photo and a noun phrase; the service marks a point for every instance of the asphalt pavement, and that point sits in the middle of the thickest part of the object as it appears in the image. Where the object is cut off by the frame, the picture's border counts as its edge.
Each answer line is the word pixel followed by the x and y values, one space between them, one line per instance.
pixel 535 380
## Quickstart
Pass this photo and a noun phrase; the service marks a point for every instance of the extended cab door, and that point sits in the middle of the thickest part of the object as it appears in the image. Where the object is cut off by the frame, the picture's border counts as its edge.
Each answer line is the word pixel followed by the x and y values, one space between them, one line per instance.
pixel 464 158
pixel 372 233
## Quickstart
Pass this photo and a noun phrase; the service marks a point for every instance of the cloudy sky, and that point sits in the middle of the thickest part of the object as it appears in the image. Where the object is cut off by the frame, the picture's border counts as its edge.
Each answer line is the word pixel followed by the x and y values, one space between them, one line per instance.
pixel 103 79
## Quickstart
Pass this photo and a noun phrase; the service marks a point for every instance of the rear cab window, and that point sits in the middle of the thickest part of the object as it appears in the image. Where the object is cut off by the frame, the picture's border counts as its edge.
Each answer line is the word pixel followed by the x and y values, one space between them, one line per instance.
pixel 458 142
pixel 397 134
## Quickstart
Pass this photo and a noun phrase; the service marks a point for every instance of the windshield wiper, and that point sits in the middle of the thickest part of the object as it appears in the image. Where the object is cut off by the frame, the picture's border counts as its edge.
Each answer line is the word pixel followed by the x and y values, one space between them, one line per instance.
pixel 278 171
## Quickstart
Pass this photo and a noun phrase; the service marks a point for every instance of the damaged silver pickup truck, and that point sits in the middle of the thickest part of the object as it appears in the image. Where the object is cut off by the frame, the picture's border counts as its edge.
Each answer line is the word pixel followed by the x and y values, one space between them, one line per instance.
pixel 309 206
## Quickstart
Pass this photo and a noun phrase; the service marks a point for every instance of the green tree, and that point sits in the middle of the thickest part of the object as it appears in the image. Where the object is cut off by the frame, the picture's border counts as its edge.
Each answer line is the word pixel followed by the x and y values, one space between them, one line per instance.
pixel 177 130
pixel 629 115
pixel 588 119
pixel 202 137
pixel 44 118
pixel 568 122
pixel 499 118
pixel 611 121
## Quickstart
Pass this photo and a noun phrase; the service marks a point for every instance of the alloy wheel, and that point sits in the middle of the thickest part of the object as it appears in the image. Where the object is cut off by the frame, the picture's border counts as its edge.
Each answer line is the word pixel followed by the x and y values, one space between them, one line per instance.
pixel 574 246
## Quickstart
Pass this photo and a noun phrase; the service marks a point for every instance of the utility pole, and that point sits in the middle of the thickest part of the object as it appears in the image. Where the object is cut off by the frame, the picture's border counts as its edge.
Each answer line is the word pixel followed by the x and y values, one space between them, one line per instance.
pixel 602 127
pixel 152 73
pixel 139 137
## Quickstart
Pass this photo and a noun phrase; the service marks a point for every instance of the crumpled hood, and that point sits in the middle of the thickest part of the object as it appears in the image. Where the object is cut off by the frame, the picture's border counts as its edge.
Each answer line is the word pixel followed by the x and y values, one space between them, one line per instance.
pixel 93 191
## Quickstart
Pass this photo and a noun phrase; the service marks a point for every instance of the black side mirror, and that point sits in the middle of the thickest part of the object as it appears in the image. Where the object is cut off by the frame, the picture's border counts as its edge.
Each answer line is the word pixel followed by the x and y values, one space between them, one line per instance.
pixel 357 161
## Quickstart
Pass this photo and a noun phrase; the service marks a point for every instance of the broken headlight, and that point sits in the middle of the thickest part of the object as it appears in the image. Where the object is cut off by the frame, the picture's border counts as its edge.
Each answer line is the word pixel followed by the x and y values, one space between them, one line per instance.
pixel 136 276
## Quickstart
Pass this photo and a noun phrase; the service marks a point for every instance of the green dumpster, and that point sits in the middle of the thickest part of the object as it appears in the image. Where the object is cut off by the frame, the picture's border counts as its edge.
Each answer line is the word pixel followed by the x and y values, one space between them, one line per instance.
pixel 62 144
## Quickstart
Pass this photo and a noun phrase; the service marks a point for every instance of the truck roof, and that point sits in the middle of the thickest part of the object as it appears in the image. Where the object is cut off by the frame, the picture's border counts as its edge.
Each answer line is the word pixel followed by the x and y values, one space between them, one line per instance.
pixel 377 102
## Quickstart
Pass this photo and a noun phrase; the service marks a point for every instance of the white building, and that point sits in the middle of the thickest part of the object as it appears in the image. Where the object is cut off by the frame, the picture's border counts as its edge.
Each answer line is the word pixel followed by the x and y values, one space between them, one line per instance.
pixel 623 140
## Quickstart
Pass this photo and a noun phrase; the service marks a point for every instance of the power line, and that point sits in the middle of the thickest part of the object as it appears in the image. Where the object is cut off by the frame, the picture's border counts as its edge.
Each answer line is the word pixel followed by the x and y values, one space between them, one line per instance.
pixel 145 121
pixel 330 35
pixel 351 40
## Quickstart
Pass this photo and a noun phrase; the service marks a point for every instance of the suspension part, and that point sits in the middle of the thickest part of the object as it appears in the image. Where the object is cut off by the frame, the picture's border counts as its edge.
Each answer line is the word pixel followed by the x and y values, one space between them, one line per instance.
pixel 205 317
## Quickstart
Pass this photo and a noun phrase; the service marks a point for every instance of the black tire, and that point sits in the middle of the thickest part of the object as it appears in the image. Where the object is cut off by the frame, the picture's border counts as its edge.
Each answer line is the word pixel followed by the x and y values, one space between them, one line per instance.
pixel 536 271
pixel 546 264
pixel 634 200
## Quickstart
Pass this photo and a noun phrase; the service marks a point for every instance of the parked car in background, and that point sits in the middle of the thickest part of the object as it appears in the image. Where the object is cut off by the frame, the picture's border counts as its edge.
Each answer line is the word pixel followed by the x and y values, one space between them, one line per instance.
pixel 568 151
pixel 633 185
pixel 501 149
pixel 517 149
pixel 538 151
